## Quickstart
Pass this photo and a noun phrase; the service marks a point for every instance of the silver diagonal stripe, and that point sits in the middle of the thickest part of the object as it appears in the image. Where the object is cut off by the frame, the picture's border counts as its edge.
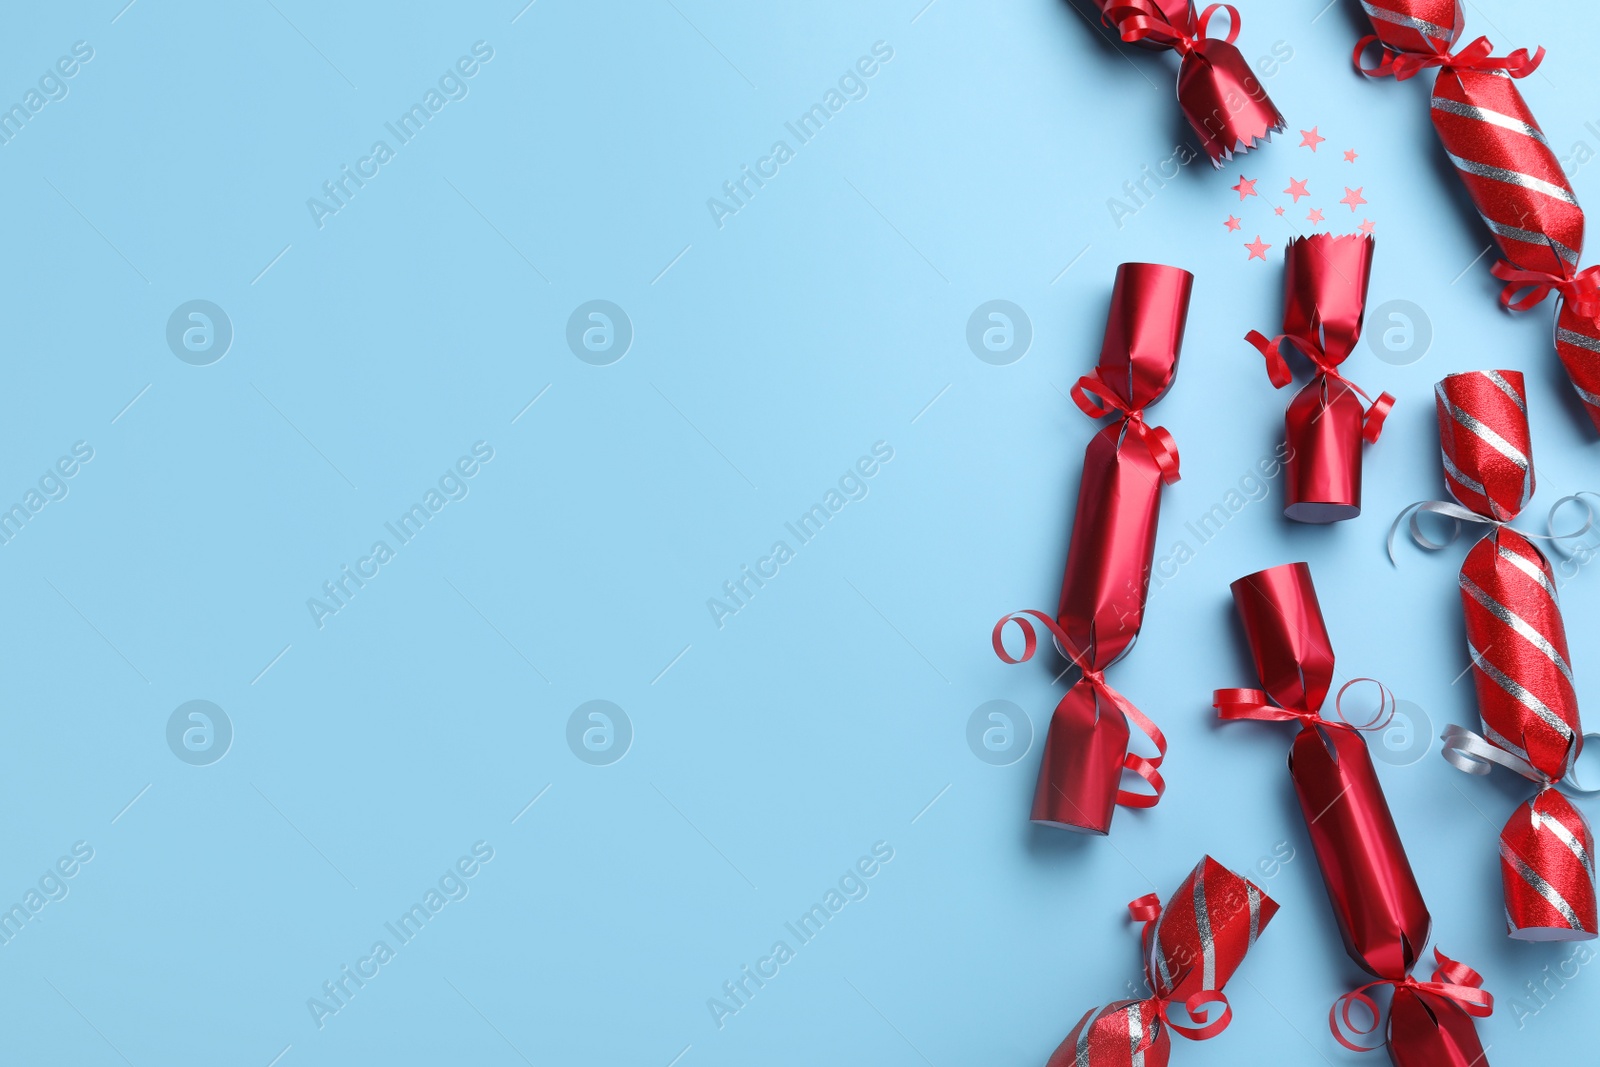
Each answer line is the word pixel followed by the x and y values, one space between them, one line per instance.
pixel 1493 118
pixel 1554 825
pixel 1529 237
pixel 1512 177
pixel 1456 472
pixel 1135 1032
pixel 1528 567
pixel 1505 387
pixel 1542 887
pixel 1582 340
pixel 1492 439
pixel 1426 28
pixel 1253 895
pixel 1499 740
pixel 1518 624
pixel 1202 923
pixel 1521 696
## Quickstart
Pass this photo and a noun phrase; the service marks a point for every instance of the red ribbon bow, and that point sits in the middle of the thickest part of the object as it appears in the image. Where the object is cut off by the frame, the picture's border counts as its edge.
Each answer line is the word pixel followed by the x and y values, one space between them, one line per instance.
pixel 1144 767
pixel 1401 64
pixel 1136 20
pixel 1097 401
pixel 1147 909
pixel 1236 704
pixel 1582 290
pixel 1278 371
pixel 1453 981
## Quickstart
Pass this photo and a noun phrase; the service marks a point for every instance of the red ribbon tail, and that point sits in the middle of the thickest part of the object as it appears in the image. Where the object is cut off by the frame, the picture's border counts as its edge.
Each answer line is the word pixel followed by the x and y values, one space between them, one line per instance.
pixel 1372 423
pixel 1030 637
pixel 1277 366
pixel 1234 704
pixel 1164 450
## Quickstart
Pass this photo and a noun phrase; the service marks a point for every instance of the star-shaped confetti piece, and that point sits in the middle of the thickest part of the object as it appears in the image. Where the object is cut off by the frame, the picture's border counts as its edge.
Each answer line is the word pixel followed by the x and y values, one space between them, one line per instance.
pixel 1232 223
pixel 1349 155
pixel 1315 216
pixel 1297 188
pixel 1366 227
pixel 1353 197
pixel 1278 210
pixel 1309 139
pixel 1257 249
pixel 1245 187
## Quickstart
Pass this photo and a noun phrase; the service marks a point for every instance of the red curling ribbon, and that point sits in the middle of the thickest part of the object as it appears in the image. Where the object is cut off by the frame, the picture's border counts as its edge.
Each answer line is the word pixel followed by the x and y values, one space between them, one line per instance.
pixel 1278 371
pixel 1097 403
pixel 1581 292
pixel 1138 20
pixel 1401 64
pixel 1147 910
pixel 1254 704
pixel 1452 981
pixel 1144 767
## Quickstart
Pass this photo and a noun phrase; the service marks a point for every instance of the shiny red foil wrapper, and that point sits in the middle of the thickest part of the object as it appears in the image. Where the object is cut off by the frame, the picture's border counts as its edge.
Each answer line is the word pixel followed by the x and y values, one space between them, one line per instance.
pixel 1326 424
pixel 1112 544
pixel 1225 103
pixel 1376 901
pixel 1509 170
pixel 1521 665
pixel 1191 947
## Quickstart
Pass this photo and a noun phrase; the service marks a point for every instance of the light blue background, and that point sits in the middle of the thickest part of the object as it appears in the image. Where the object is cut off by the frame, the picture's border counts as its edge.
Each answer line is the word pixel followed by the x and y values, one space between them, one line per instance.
pixel 769 354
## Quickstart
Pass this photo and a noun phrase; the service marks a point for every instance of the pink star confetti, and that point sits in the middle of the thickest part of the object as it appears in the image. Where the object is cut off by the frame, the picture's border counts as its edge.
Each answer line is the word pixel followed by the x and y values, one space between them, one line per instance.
pixel 1353 197
pixel 1309 139
pixel 1315 216
pixel 1297 188
pixel 1366 227
pixel 1349 155
pixel 1277 210
pixel 1257 249
pixel 1245 187
pixel 1232 223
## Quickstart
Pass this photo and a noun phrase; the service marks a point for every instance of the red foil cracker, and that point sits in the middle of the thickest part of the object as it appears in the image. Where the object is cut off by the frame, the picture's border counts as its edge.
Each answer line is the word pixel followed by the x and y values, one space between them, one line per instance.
pixel 1190 948
pixel 1521 666
pixel 1218 92
pixel 1325 300
pixel 1109 557
pixel 1507 166
pixel 1376 901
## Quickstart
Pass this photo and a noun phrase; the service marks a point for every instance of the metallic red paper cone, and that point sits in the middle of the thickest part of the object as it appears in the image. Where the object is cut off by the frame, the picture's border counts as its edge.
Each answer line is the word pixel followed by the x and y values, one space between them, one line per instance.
pixel 1521 666
pixel 1191 948
pixel 1376 901
pixel 1325 287
pixel 1109 556
pixel 1504 161
pixel 1220 95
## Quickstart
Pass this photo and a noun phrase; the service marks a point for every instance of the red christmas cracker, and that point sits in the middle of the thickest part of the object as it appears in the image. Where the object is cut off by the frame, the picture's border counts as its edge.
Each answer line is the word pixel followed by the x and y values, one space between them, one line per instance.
pixel 1217 91
pixel 1376 901
pixel 1191 948
pixel 1325 299
pixel 1507 166
pixel 1109 558
pixel 1521 667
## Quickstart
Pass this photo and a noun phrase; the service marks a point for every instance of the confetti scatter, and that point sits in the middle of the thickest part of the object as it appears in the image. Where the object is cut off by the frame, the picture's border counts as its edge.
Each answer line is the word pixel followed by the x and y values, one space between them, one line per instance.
pixel 1297 188
pixel 1309 139
pixel 1353 197
pixel 1232 223
pixel 1257 249
pixel 1246 187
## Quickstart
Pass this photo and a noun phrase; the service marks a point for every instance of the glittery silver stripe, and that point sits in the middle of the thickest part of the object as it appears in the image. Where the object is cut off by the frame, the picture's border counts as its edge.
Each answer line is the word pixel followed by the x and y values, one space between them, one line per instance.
pixel 1586 396
pixel 1529 237
pixel 1082 1057
pixel 1492 439
pixel 1512 177
pixel 1135 1032
pixel 1493 118
pixel 1455 472
pixel 1253 895
pixel 1582 340
pixel 1505 387
pixel 1202 924
pixel 1542 887
pixel 1499 740
pixel 1520 625
pixel 1159 956
pixel 1530 568
pixel 1426 28
pixel 1551 823
pixel 1521 696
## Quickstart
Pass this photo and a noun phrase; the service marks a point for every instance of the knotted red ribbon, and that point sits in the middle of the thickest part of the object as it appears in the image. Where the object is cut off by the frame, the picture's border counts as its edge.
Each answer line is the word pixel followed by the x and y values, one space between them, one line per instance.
pixel 1137 20
pixel 1147 909
pixel 1581 291
pixel 1400 64
pixel 1097 401
pixel 1278 371
pixel 1236 704
pixel 1142 766
pixel 1452 981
